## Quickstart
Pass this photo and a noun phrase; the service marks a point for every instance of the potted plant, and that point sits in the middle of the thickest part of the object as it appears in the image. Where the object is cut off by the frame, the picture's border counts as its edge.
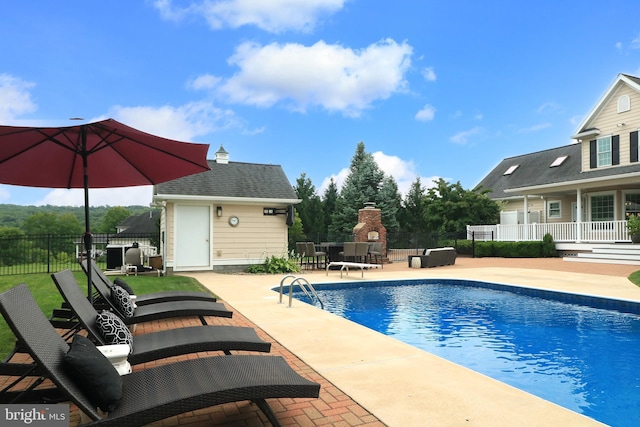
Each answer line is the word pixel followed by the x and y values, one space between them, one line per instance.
pixel 633 227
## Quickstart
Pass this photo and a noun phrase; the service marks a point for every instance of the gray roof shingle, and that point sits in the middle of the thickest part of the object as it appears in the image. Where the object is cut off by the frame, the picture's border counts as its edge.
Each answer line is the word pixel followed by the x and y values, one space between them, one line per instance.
pixel 534 170
pixel 233 179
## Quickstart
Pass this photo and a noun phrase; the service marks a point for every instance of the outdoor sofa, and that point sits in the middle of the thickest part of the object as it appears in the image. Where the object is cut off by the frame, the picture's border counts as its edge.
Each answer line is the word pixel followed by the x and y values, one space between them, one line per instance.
pixel 435 257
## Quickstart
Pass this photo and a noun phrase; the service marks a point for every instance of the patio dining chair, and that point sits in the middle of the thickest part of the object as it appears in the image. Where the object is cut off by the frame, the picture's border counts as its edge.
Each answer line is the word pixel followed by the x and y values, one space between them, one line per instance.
pixel 316 256
pixel 375 252
pixel 301 249
pixel 349 252
pixel 362 251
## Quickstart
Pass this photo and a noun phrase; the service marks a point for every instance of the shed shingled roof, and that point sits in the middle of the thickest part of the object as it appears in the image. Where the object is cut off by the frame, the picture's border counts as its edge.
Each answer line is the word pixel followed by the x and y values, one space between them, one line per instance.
pixel 534 170
pixel 233 179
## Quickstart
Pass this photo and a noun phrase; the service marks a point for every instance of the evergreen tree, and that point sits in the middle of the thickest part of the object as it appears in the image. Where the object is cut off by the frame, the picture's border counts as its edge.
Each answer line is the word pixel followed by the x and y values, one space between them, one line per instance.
pixel 411 216
pixel 329 204
pixel 310 209
pixel 389 202
pixel 365 183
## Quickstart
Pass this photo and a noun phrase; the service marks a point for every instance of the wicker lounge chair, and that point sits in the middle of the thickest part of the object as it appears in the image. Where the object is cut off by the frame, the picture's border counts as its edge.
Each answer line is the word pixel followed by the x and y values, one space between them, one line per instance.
pixel 163 310
pixel 153 394
pixel 102 282
pixel 167 343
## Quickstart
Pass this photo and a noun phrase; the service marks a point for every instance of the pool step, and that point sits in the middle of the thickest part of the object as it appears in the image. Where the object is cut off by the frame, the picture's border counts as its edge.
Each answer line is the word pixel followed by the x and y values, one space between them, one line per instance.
pixel 628 254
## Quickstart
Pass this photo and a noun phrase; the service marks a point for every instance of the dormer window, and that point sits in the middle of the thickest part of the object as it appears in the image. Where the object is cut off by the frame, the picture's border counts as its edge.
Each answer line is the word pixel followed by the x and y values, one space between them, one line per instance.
pixel 510 170
pixel 624 103
pixel 557 162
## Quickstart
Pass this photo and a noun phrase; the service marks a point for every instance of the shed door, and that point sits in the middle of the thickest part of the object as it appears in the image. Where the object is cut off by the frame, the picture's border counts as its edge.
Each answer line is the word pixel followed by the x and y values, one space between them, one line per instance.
pixel 193 238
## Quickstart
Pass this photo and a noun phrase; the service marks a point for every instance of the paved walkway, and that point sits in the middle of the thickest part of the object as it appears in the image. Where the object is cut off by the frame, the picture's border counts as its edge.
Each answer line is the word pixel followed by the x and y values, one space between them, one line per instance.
pixel 371 380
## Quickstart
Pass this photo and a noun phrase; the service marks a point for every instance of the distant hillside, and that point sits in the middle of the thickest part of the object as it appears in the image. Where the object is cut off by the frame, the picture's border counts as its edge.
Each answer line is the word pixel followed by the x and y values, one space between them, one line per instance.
pixel 15 215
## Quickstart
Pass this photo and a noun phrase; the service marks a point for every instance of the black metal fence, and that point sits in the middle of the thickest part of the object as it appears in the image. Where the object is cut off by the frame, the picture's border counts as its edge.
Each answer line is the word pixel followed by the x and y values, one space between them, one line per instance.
pixel 47 253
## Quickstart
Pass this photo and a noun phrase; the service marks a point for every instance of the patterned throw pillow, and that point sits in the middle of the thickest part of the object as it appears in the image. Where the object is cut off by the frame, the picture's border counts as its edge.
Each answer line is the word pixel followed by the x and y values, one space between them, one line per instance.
pixel 113 329
pixel 124 285
pixel 122 301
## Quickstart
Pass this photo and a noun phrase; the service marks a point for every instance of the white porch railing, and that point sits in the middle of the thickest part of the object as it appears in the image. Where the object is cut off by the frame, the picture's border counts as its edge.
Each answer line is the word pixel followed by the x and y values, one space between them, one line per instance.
pixel 596 231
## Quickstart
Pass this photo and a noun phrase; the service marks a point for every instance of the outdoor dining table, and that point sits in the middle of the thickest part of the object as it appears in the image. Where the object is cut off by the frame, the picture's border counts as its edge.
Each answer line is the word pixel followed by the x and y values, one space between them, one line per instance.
pixel 332 249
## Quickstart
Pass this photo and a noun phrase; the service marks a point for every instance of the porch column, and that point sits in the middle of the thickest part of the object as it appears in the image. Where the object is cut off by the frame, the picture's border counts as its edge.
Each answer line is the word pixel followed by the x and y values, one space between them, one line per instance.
pixel 526 217
pixel 579 216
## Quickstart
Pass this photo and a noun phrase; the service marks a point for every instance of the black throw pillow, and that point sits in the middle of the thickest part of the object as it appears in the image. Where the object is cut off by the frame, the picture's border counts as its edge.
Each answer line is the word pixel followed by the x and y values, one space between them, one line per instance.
pixel 124 285
pixel 93 373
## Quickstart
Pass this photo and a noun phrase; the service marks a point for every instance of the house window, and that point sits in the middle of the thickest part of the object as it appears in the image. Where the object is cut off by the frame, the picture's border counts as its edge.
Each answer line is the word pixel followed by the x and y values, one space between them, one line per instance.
pixel 624 103
pixel 604 151
pixel 631 204
pixel 554 209
pixel 602 208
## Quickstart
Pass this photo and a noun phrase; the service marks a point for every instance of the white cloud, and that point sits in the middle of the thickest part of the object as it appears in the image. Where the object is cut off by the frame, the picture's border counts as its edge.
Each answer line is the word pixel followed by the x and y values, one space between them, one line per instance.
pixel 4 194
pixel 635 43
pixel 184 123
pixel 274 15
pixel 125 196
pixel 463 137
pixel 15 98
pixel 332 77
pixel 429 74
pixel 427 113
pixel 549 108
pixel 205 81
pixel 535 128
pixel 619 45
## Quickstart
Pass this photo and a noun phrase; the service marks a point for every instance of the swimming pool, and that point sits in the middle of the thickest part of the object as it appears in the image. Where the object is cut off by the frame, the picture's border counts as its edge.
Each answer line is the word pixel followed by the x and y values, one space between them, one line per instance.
pixel 578 351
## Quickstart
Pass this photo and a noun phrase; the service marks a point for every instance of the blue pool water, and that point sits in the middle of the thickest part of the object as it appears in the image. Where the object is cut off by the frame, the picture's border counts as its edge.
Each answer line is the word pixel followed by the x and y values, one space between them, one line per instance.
pixel 580 352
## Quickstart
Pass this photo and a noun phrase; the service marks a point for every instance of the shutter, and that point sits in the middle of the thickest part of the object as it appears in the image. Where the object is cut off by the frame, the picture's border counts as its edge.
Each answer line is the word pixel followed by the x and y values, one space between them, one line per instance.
pixel 633 138
pixel 593 154
pixel 615 150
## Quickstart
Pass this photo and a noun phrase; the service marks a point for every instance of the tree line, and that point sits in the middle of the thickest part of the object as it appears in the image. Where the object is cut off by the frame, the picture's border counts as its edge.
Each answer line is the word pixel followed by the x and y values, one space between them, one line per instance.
pixel 444 208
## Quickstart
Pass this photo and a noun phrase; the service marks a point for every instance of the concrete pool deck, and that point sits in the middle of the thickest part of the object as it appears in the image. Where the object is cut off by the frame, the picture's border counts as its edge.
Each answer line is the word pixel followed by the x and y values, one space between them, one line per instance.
pixel 397 383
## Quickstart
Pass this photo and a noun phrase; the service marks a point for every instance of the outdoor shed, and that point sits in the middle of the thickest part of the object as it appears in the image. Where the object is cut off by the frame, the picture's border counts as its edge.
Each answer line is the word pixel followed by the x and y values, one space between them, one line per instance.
pixel 227 218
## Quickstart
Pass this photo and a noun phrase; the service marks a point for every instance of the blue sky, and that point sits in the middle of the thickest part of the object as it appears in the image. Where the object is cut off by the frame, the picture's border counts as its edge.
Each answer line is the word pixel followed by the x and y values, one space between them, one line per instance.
pixel 433 88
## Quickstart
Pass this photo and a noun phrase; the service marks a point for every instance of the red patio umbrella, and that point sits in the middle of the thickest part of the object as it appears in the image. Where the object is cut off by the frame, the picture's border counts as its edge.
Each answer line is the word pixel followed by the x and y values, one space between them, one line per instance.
pixel 102 154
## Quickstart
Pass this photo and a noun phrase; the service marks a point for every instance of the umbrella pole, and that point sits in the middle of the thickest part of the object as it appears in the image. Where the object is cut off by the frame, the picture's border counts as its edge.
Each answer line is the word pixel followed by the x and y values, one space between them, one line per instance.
pixel 88 238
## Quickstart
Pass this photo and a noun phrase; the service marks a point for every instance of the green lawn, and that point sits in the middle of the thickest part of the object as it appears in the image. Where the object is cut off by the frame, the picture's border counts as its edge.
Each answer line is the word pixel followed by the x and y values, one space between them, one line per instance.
pixel 48 297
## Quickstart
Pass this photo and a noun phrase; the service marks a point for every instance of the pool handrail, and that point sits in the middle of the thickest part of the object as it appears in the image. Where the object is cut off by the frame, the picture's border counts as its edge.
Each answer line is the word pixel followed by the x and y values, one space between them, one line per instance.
pixel 309 291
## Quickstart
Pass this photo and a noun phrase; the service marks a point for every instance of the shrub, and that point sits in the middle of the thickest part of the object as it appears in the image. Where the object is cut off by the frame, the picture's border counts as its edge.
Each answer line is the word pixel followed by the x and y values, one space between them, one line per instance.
pixel 273 265
pixel 535 249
